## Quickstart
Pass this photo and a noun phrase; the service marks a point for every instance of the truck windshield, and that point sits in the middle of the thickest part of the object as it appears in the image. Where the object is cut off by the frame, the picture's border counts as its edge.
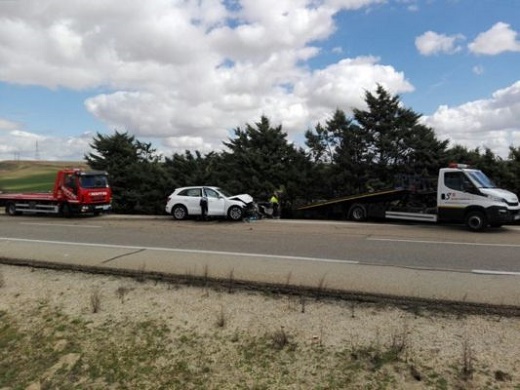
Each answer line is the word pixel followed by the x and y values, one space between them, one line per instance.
pixel 93 181
pixel 480 179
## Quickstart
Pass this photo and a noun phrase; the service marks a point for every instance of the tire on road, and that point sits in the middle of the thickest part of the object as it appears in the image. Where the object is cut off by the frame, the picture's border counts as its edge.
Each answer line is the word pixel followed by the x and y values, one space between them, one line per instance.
pixel 235 213
pixel 10 209
pixel 476 221
pixel 358 212
pixel 179 212
pixel 66 210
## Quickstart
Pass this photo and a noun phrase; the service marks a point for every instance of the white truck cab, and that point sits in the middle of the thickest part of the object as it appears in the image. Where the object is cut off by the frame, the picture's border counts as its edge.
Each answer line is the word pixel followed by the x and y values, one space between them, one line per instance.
pixel 467 195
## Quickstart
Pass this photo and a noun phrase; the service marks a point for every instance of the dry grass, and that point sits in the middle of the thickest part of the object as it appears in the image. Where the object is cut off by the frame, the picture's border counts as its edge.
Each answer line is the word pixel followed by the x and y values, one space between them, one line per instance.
pixel 149 335
pixel 95 301
pixel 221 320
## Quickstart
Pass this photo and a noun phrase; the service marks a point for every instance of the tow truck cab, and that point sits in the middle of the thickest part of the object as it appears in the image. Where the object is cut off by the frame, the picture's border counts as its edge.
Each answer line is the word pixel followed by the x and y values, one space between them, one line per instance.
pixel 467 195
pixel 85 191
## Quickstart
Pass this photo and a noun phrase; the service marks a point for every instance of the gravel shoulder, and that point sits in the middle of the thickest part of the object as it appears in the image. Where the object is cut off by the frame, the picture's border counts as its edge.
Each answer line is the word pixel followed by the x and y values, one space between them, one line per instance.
pixel 238 339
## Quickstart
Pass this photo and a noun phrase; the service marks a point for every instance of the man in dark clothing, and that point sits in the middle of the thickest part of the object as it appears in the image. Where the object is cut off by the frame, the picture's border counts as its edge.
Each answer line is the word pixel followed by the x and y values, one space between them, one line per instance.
pixel 204 206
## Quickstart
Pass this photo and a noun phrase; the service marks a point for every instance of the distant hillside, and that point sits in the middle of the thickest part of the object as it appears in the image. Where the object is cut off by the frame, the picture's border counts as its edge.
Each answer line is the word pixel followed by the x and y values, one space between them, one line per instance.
pixel 32 175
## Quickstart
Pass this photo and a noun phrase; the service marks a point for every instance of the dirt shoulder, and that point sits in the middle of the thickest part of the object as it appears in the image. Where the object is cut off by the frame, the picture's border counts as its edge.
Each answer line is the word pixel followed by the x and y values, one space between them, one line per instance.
pixel 75 330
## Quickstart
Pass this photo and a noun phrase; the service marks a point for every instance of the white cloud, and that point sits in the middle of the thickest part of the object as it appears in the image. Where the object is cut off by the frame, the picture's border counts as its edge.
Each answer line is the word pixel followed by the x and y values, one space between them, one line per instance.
pixel 17 143
pixel 343 84
pixel 431 43
pixel 228 103
pixel 7 125
pixel 185 73
pixel 500 38
pixel 491 123
pixel 187 143
pixel 349 4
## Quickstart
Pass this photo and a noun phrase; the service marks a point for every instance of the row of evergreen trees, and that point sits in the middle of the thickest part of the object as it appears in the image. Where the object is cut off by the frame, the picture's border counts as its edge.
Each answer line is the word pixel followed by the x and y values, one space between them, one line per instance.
pixel 342 156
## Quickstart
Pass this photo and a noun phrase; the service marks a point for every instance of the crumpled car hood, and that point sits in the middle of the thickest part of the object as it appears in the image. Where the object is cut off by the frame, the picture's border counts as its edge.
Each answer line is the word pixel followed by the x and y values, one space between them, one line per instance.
pixel 246 198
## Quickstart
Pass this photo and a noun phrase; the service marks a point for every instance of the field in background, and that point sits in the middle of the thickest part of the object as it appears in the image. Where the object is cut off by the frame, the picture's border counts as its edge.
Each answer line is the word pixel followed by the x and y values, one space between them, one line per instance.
pixel 25 176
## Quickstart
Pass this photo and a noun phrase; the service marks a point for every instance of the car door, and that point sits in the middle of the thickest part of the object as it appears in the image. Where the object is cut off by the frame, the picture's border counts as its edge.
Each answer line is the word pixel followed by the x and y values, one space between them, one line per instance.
pixel 455 193
pixel 216 202
pixel 191 199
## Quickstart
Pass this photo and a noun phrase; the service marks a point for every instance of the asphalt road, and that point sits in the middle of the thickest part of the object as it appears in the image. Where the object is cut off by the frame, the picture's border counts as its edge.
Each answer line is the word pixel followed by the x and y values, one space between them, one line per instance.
pixel 424 260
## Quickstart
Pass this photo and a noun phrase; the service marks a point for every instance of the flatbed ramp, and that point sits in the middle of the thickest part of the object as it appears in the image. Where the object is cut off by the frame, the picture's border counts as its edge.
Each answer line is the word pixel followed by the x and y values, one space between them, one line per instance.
pixel 368 197
pixel 357 207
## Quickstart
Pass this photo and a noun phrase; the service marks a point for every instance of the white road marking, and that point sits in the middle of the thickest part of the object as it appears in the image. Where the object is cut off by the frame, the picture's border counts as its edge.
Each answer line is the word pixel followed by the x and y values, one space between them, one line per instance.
pixel 444 242
pixel 236 254
pixel 60 225
pixel 491 272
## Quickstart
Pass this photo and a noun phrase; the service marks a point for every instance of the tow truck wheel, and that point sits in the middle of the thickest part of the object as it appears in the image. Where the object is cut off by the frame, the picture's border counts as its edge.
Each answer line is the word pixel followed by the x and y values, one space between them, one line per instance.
pixel 179 212
pixel 66 210
pixel 10 208
pixel 358 213
pixel 476 221
pixel 235 213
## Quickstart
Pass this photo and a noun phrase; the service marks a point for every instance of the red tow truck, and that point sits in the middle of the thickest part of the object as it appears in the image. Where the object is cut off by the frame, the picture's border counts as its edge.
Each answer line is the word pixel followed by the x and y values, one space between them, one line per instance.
pixel 75 191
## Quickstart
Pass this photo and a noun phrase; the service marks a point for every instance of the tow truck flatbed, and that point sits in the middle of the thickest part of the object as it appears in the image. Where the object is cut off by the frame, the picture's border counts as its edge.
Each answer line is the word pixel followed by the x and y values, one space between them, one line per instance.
pixel 376 196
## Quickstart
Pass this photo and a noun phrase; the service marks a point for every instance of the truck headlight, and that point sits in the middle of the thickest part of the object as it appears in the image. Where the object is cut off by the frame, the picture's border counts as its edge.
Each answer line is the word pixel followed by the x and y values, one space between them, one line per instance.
pixel 496 199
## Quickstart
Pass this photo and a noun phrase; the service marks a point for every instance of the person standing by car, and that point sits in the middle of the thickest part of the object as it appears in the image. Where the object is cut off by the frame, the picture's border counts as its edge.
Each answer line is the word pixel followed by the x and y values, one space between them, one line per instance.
pixel 275 203
pixel 204 205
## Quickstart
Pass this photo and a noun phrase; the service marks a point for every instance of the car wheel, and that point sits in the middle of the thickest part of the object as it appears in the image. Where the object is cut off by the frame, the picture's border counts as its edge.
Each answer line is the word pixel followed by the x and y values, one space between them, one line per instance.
pixel 476 221
pixel 10 208
pixel 235 213
pixel 358 213
pixel 179 212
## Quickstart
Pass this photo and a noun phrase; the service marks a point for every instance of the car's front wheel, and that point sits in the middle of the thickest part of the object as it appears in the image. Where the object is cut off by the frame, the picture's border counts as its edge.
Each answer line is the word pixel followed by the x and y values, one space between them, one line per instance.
pixel 179 212
pixel 235 213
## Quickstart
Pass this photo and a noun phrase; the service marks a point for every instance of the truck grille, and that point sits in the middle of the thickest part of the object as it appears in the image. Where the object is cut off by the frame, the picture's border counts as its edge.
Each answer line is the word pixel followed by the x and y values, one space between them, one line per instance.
pixel 97 199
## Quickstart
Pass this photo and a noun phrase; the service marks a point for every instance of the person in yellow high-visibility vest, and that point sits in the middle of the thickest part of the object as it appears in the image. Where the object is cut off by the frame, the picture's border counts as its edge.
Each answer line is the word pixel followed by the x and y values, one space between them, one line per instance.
pixel 276 205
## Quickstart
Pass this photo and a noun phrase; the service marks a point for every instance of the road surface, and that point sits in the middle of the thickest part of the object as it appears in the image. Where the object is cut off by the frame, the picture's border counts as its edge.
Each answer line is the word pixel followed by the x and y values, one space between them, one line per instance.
pixel 419 260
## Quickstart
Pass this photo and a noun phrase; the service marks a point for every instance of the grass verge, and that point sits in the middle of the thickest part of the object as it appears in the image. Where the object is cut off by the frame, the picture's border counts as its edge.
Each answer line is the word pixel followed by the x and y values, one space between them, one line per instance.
pixel 87 332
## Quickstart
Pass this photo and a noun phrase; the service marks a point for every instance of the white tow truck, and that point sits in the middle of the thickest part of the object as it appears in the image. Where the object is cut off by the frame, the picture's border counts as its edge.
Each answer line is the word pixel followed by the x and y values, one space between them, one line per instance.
pixel 464 195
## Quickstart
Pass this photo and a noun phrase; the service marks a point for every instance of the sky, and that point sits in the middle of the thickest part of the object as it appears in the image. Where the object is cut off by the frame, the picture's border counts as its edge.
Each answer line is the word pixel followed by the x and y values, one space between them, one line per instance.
pixel 183 74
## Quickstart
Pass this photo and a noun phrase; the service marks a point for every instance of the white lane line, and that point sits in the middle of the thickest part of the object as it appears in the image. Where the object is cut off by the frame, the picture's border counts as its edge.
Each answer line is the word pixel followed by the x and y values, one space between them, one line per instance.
pixel 196 251
pixel 445 242
pixel 490 272
pixel 60 225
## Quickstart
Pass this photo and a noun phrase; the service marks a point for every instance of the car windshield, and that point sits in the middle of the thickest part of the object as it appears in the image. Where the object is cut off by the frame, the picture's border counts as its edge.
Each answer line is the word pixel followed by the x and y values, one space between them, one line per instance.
pixel 93 181
pixel 480 179
pixel 224 192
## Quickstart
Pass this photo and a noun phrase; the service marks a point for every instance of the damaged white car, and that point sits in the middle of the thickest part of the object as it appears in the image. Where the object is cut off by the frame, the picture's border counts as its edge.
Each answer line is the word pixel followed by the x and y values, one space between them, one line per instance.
pixel 184 202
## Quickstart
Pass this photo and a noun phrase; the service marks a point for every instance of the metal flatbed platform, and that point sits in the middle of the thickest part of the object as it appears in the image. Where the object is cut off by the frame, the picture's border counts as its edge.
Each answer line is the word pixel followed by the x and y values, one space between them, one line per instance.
pixel 368 197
